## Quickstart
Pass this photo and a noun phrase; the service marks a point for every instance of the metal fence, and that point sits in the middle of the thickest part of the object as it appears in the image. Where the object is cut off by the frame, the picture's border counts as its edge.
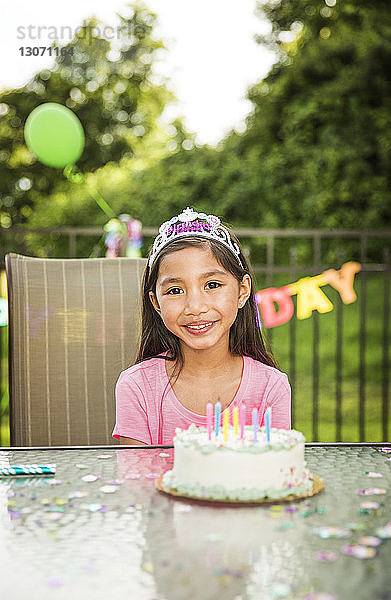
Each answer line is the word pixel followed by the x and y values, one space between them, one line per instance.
pixel 263 246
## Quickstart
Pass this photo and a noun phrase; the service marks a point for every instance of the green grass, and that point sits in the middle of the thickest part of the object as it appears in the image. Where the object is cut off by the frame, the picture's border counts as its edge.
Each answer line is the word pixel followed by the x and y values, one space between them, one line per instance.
pixel 303 397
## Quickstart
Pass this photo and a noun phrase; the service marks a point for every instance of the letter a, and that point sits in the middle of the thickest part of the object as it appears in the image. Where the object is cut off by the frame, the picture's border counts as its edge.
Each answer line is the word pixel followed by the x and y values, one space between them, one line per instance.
pixel 310 297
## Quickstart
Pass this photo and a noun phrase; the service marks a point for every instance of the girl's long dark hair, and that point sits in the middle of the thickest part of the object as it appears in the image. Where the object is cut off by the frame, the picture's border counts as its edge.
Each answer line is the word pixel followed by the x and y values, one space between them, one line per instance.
pixel 245 335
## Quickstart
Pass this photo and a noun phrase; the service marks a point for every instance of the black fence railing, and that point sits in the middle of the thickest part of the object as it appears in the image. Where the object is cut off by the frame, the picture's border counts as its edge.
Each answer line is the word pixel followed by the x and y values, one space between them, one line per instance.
pixel 339 390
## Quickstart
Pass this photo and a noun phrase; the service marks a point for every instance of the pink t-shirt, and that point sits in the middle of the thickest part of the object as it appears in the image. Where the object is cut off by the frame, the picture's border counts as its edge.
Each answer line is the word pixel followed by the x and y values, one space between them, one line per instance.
pixel 142 415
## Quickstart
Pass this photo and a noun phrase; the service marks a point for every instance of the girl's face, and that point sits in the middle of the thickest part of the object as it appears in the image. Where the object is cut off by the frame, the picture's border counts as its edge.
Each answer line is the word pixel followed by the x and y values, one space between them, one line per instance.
pixel 194 289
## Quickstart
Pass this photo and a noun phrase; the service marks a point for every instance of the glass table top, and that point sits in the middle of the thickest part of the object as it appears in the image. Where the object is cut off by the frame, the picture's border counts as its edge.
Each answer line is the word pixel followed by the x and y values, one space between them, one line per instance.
pixel 99 527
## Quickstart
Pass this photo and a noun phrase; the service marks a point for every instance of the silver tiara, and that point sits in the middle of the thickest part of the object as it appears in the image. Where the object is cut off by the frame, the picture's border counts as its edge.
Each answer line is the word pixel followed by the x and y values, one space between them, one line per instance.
pixel 188 223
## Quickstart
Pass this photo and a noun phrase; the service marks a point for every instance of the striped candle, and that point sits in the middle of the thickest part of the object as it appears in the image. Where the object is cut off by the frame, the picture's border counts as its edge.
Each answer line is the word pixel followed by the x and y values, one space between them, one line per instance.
pixel 236 419
pixel 255 423
pixel 209 419
pixel 27 470
pixel 217 417
pixel 268 416
pixel 242 419
pixel 225 424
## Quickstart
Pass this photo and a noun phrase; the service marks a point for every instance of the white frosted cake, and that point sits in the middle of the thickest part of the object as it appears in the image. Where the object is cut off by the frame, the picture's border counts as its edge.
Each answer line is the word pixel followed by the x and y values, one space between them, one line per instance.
pixel 238 469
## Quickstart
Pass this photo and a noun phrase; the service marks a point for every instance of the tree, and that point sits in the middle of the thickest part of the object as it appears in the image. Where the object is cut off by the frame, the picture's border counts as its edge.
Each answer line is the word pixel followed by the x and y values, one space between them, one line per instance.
pixel 109 90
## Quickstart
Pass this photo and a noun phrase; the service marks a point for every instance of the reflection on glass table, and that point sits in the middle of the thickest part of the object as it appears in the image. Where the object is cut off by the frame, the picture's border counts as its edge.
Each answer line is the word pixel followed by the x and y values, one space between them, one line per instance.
pixel 99 527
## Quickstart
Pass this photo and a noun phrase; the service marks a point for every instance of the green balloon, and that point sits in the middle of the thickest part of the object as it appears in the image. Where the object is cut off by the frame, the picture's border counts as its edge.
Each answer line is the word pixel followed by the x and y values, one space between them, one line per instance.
pixel 54 134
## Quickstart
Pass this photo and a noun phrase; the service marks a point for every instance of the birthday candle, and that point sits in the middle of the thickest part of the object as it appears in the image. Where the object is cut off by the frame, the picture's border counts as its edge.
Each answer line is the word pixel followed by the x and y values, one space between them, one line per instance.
pixel 242 419
pixel 209 418
pixel 217 417
pixel 255 423
pixel 268 415
pixel 225 424
pixel 236 419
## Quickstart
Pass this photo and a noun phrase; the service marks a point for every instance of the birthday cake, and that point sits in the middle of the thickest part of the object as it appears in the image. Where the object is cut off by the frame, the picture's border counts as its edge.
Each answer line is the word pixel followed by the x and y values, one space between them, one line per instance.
pixel 236 468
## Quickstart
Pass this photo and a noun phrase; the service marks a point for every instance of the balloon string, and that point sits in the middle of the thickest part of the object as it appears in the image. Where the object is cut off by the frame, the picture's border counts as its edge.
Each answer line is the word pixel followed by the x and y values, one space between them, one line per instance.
pixel 101 202
pixel 74 177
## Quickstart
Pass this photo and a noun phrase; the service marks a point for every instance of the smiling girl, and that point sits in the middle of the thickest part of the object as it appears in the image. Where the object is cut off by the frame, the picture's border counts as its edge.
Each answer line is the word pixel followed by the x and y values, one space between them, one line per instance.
pixel 200 337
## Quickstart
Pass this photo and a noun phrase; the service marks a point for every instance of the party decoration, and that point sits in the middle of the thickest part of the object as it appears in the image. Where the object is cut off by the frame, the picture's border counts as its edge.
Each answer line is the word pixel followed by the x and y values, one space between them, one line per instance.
pixel 225 424
pixel 235 417
pixel 134 227
pixel 309 295
pixel 217 417
pixel 54 134
pixel 115 231
pixel 120 229
pixel 268 417
pixel 26 470
pixel 242 419
pixel 209 418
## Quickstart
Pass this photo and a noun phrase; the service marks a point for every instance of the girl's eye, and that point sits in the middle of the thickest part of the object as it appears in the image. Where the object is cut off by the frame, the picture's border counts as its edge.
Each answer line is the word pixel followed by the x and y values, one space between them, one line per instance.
pixel 215 283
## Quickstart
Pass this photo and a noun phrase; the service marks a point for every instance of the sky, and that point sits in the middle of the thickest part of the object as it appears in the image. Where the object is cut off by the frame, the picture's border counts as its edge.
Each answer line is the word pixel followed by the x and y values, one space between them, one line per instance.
pixel 210 61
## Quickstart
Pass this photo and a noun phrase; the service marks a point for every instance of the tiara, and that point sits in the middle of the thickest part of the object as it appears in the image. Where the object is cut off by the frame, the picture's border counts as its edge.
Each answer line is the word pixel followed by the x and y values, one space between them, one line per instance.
pixel 188 223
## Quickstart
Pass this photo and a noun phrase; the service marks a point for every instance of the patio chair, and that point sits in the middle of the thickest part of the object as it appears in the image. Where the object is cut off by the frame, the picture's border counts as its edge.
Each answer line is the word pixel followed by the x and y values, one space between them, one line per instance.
pixel 73 327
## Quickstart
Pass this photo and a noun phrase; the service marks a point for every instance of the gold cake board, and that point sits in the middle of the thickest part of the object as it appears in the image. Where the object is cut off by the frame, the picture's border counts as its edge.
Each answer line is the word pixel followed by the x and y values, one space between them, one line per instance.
pixel 317 486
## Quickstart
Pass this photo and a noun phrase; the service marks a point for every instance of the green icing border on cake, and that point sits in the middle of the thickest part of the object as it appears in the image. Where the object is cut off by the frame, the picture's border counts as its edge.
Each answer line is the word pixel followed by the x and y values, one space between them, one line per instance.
pixel 218 492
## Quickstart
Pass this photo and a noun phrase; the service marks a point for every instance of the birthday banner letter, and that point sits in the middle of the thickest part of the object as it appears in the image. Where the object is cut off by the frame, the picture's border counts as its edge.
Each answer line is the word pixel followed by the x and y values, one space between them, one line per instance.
pixel 309 295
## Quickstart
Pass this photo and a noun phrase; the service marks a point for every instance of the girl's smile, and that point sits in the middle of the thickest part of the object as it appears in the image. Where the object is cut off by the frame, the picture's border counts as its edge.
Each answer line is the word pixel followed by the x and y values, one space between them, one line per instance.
pixel 197 298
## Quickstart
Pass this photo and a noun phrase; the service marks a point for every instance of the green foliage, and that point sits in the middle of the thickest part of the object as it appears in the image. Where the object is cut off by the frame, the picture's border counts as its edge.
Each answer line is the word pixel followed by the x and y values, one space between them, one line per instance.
pixel 321 125
pixel 111 92
pixel 316 152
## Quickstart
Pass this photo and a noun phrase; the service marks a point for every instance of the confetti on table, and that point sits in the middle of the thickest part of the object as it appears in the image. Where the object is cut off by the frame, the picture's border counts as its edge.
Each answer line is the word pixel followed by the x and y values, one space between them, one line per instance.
pixel 81 466
pixel 133 476
pixel 374 475
pixel 369 505
pixel 116 481
pixel 14 514
pixel 163 454
pixel 53 516
pixel 291 509
pixel 152 475
pixel 370 540
pixel 92 506
pixel 326 556
pixel 387 450
pixel 77 494
pixel 359 551
pixel 61 501
pixel 385 531
pixel 332 532
pixel 105 456
pixel 371 492
pixel 109 489
pixel 54 481
pixel 90 478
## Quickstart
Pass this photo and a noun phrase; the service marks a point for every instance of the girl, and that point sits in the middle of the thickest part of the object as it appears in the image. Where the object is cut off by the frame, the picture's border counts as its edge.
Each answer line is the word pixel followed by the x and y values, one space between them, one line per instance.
pixel 200 337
